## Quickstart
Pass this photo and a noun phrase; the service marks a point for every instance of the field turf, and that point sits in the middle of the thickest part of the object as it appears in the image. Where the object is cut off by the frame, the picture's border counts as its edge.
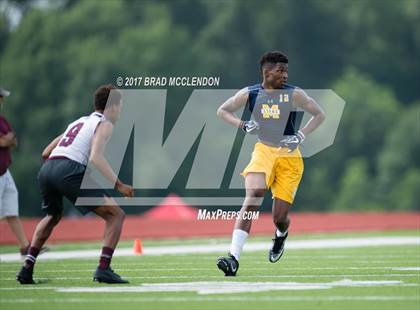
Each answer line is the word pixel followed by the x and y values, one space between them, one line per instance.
pixel 377 277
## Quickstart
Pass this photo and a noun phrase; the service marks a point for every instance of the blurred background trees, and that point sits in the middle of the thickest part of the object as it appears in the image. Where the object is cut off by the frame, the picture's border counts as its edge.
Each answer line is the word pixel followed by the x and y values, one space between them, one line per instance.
pixel 53 54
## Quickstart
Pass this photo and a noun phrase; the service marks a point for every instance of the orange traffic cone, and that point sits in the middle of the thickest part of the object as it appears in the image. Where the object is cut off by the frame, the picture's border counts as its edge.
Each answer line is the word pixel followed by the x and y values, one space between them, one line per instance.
pixel 138 247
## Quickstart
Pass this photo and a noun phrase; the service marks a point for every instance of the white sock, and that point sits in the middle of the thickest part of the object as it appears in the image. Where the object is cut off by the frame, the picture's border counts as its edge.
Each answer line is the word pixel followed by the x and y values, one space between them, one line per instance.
pixel 280 234
pixel 238 240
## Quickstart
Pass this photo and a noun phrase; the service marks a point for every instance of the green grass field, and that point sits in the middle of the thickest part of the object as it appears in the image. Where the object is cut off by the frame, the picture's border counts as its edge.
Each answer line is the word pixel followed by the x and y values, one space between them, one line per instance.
pixel 302 279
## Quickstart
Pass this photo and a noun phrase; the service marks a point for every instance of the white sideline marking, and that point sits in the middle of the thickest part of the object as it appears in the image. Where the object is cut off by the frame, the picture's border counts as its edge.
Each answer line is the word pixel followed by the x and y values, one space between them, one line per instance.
pixel 317 276
pixel 201 298
pixel 162 268
pixel 222 248
pixel 43 288
pixel 224 287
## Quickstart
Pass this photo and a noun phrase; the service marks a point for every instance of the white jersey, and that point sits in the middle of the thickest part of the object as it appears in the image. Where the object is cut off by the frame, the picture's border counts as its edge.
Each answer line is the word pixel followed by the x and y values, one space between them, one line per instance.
pixel 77 139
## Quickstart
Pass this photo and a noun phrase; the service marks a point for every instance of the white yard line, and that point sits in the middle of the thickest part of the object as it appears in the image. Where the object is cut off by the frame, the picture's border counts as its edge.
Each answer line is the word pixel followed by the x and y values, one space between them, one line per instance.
pixel 283 276
pixel 406 268
pixel 293 298
pixel 228 287
pixel 162 268
pixel 222 248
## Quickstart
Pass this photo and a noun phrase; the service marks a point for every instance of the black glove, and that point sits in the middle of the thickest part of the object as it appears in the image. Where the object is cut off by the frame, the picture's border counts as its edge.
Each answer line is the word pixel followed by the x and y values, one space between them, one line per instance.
pixel 292 142
pixel 251 127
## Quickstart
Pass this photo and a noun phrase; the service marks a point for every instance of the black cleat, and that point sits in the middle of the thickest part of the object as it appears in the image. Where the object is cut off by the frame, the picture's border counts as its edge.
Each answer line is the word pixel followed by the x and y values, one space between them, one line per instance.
pixel 277 248
pixel 229 265
pixel 107 276
pixel 25 276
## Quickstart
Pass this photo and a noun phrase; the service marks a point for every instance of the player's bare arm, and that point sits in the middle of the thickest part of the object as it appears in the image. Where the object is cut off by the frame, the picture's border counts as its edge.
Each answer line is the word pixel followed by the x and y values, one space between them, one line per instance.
pixel 302 100
pixel 100 139
pixel 47 151
pixel 8 140
pixel 15 142
pixel 227 110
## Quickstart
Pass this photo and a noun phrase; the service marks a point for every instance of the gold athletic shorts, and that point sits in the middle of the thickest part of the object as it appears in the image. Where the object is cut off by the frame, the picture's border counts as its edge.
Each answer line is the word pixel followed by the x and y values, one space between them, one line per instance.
pixel 283 170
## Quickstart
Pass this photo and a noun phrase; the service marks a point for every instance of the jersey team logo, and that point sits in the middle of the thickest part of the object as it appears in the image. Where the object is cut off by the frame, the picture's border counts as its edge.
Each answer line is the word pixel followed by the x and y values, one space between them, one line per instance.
pixel 270 112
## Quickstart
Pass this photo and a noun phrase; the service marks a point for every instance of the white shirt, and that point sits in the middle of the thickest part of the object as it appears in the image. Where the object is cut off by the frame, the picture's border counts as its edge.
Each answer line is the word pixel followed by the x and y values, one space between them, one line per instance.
pixel 77 139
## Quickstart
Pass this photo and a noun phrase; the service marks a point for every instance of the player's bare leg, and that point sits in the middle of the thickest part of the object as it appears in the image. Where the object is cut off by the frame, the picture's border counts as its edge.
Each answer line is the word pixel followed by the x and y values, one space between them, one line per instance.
pixel 114 218
pixel 42 232
pixel 255 189
pixel 44 229
pixel 280 212
pixel 16 226
pixel 281 220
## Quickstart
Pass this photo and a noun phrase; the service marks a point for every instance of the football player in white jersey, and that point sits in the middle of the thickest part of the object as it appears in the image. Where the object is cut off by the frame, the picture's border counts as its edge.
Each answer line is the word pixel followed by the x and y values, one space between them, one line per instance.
pixel 62 173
